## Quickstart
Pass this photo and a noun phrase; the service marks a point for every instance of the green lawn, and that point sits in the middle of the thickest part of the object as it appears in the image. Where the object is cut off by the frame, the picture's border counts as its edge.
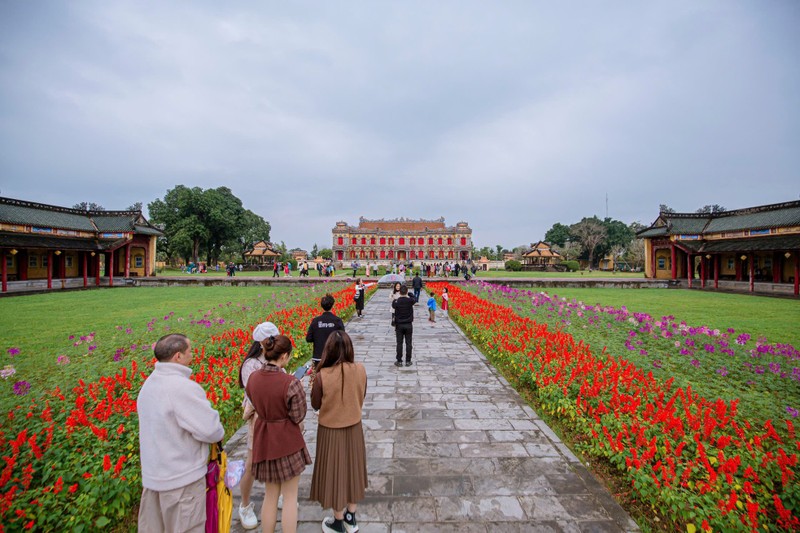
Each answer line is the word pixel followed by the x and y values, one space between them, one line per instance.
pixel 774 318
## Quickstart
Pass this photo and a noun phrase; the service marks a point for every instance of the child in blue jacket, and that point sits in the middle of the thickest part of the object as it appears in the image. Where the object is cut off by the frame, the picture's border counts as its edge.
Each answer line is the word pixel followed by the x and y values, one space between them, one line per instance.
pixel 432 308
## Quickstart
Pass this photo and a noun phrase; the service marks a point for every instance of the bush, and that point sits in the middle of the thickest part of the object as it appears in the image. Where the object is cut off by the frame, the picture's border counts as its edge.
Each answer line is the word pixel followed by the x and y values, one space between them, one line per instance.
pixel 571 266
pixel 513 265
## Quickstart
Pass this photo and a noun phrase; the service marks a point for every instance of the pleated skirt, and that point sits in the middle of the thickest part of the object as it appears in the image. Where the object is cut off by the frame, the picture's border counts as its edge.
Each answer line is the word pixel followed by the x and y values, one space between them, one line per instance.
pixel 340 469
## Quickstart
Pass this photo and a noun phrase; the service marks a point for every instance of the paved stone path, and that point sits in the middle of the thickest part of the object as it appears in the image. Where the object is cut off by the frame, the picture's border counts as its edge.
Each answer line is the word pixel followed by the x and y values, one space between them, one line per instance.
pixel 451 446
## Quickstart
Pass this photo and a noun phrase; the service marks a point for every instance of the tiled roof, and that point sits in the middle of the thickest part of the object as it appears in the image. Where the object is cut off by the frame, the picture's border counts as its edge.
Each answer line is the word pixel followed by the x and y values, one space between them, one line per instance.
pixel 24 213
pixel 756 244
pixel 777 218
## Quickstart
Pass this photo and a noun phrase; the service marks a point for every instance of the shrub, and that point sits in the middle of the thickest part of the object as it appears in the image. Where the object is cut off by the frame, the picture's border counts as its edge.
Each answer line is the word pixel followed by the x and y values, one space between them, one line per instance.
pixel 513 265
pixel 571 266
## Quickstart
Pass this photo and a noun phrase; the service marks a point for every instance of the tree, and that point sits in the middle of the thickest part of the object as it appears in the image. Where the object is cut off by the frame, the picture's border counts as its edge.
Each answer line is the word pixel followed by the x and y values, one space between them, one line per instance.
pixel 136 206
pixel 519 251
pixel 559 234
pixel 569 252
pixel 326 253
pixel 89 206
pixel 483 252
pixel 314 251
pixel 254 229
pixel 710 209
pixel 589 232
pixel 499 255
pixel 664 208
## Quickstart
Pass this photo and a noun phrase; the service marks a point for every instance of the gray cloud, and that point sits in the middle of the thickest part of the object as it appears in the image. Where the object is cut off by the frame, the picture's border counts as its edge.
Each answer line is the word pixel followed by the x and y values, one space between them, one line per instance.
pixel 511 117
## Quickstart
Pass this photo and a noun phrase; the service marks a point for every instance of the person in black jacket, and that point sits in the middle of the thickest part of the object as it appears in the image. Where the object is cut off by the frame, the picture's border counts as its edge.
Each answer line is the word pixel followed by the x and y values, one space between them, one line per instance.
pixel 404 324
pixel 416 284
pixel 322 326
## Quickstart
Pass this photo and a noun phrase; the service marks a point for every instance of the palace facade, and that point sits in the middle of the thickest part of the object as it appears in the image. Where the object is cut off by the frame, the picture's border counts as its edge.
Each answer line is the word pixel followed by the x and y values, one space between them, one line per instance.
pixel 402 240
pixel 46 242
pixel 753 245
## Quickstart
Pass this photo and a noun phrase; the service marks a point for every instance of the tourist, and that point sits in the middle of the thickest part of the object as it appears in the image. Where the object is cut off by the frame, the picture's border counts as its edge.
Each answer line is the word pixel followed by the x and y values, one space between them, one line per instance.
pixel 416 284
pixel 445 300
pixel 404 325
pixel 395 294
pixel 360 294
pixel 253 361
pixel 368 269
pixel 286 270
pixel 339 481
pixel 322 326
pixel 432 307
pixel 176 425
pixel 275 266
pixel 279 450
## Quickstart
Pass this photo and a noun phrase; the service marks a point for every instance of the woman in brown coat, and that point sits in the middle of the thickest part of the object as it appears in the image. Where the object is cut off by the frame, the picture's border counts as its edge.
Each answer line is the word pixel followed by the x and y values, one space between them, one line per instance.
pixel 340 469
pixel 279 450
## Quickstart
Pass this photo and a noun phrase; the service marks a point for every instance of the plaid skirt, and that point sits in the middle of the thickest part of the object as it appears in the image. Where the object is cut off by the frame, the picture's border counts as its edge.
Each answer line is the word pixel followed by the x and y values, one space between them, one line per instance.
pixel 283 468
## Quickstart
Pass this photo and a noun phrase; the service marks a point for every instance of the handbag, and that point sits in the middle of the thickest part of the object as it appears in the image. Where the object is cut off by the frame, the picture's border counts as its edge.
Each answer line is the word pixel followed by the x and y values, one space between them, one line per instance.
pixel 394 324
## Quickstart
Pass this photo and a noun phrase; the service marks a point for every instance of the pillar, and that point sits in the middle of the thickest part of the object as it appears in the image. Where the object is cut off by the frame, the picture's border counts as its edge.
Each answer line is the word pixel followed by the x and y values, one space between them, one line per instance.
pixel 49 269
pixel 97 270
pixel 777 264
pixel 672 262
pixel 716 259
pixel 110 269
pixel 689 269
pixel 22 265
pixel 128 260
pixel 797 273
pixel 752 270
pixel 4 270
pixel 702 271
pixel 86 257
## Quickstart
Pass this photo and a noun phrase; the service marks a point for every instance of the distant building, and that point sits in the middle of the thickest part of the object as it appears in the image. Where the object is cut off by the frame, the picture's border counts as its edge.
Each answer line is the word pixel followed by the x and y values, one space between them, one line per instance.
pixel 540 255
pixel 47 242
pixel 299 255
pixel 385 241
pixel 755 244
pixel 261 254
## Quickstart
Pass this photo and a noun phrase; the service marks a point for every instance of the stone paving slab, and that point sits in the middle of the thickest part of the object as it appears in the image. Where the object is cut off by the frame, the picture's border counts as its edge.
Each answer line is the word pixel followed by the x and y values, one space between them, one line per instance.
pixel 451 447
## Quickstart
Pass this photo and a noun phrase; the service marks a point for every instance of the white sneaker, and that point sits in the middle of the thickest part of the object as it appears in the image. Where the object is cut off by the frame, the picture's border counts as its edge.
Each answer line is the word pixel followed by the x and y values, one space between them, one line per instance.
pixel 247 517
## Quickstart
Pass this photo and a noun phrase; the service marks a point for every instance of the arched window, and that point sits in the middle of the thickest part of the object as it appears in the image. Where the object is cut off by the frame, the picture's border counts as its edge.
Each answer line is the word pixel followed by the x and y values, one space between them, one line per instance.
pixel 341 241
pixel 372 254
pixel 440 240
pixel 430 255
pixel 463 241
pixel 363 240
pixel 339 255
pixel 383 240
pixel 449 240
pixel 421 253
pixel 450 254
pixel 391 242
pixel 413 254
pixel 391 253
pixel 372 240
pixel 362 255
pixel 430 240
pixel 413 240
pixel 402 240
pixel 383 254
pixel 352 241
pixel 441 254
pixel 352 254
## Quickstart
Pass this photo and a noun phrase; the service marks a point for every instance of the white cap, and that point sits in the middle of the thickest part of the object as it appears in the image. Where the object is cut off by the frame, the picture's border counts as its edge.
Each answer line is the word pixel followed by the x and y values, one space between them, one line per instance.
pixel 265 330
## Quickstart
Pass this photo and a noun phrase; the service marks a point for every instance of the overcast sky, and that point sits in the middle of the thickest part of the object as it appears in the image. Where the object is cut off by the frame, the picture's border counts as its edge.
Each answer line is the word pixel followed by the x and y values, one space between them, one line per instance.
pixel 508 115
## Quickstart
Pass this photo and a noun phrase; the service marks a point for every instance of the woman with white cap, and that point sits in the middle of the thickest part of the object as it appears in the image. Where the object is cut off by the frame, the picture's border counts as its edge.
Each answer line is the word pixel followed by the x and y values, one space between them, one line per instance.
pixel 253 361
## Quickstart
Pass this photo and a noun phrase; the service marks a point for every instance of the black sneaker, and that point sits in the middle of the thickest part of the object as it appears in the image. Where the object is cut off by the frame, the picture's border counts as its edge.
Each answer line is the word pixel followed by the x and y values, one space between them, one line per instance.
pixel 408 363
pixel 350 524
pixel 331 525
pixel 398 363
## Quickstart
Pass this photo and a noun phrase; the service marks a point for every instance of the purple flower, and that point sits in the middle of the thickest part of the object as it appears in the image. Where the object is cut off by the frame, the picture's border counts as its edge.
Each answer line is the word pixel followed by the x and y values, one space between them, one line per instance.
pixel 13 351
pixel 657 363
pixel 709 348
pixel 722 371
pixel 695 363
pixel 775 368
pixel 792 411
pixel 742 339
pixel 21 388
pixel 62 360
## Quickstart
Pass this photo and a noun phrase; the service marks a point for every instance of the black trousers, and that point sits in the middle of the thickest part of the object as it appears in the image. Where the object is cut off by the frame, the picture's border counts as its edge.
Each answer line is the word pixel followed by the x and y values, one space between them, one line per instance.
pixel 404 331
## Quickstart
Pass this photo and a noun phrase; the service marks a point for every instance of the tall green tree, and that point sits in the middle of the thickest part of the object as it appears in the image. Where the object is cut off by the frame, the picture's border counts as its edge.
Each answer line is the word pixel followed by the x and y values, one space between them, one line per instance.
pixel 559 234
pixel 254 229
pixel 88 206
pixel 499 255
pixel 314 252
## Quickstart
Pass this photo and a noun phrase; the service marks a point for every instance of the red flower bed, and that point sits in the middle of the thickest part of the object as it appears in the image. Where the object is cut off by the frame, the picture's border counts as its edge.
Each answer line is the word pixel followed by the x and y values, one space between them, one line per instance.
pixel 75 462
pixel 694 459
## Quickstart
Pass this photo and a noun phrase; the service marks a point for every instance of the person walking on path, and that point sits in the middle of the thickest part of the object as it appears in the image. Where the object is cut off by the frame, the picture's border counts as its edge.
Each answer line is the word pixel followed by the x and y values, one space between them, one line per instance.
pixel 394 296
pixel 416 284
pixel 279 449
pixel 445 300
pixel 176 425
pixel 275 267
pixel 286 270
pixel 322 326
pixel 404 325
pixel 339 481
pixel 253 361
pixel 432 307
pixel 360 295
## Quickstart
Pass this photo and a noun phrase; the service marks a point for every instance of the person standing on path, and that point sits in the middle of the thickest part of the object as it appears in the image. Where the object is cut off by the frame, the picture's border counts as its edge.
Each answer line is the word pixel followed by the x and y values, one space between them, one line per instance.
pixel 176 425
pixel 432 307
pixel 253 361
pixel 279 449
pixel 416 284
pixel 445 300
pixel 360 294
pixel 404 324
pixel 322 326
pixel 339 481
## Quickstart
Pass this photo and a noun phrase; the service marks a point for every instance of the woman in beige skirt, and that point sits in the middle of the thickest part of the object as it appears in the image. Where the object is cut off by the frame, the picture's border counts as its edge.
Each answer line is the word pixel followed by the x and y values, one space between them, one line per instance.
pixel 340 469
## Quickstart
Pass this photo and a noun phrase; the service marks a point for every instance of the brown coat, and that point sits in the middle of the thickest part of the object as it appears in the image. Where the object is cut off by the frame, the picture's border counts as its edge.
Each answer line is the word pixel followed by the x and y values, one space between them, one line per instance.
pixel 340 406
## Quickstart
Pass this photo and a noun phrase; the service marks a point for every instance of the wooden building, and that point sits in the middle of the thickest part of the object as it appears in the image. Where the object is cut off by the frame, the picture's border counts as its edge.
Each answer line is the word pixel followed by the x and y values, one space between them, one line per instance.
pixel 386 241
pixel 262 254
pixel 46 242
pixel 540 256
pixel 754 245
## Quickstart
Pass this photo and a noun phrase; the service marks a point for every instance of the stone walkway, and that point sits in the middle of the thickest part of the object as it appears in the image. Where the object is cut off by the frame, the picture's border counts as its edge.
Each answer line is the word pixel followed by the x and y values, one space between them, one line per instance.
pixel 451 446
